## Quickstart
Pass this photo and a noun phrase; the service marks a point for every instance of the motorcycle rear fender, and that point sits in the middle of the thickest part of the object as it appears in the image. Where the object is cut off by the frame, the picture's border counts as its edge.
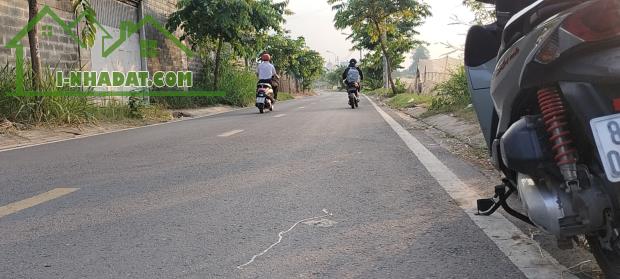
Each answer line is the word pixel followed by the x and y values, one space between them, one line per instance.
pixel 479 84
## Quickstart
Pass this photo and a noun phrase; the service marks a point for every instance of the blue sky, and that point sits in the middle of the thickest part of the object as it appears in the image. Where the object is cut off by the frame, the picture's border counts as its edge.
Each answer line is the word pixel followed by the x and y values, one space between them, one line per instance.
pixel 313 20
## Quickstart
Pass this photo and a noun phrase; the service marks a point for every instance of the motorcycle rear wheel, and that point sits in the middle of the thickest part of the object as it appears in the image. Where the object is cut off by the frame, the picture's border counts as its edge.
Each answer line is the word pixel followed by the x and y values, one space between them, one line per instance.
pixel 608 261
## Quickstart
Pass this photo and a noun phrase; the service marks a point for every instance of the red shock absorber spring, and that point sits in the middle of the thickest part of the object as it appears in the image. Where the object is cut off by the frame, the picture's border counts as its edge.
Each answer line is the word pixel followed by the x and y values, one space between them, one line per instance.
pixel 554 116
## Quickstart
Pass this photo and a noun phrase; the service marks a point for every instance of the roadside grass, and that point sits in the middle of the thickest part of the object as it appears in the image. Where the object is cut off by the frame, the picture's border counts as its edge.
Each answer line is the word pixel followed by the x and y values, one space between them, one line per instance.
pixel 449 97
pixel 117 111
pixel 283 96
pixel 64 110
pixel 380 92
pixel 407 100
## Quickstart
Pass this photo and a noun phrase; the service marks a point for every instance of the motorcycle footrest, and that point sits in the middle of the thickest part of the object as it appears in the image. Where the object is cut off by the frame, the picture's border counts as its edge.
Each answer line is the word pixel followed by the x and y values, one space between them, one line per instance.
pixel 485 205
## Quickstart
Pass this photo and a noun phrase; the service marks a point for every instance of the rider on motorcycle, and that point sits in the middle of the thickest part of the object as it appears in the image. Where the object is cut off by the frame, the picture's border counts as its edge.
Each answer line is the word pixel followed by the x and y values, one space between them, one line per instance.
pixel 352 76
pixel 266 72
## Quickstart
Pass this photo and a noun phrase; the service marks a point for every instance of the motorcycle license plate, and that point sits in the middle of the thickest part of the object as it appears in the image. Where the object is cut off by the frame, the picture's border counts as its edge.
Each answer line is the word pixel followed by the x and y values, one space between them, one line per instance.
pixel 260 100
pixel 606 132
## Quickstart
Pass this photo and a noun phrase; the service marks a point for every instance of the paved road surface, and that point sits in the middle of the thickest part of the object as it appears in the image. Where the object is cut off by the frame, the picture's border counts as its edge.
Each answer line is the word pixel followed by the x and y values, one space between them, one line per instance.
pixel 200 198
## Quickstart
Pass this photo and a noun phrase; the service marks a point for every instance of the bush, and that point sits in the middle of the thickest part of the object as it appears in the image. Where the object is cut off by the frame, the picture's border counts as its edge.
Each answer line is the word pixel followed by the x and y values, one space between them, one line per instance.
pixel 32 110
pixel 239 86
pixel 401 87
pixel 59 110
pixel 452 93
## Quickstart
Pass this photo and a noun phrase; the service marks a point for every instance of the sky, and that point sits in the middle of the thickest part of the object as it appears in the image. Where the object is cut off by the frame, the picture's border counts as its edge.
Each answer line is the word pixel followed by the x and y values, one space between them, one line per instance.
pixel 313 19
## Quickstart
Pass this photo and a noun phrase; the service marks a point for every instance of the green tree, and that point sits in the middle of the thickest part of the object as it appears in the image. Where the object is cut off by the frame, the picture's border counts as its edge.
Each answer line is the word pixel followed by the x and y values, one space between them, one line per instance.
pixel 226 21
pixel 310 67
pixel 80 7
pixel 33 41
pixel 420 53
pixel 374 21
pixel 293 57
pixel 483 13
pixel 85 9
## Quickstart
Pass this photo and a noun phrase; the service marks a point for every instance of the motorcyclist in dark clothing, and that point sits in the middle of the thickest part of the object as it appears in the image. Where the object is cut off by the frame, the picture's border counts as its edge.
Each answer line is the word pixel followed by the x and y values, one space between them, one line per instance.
pixel 353 75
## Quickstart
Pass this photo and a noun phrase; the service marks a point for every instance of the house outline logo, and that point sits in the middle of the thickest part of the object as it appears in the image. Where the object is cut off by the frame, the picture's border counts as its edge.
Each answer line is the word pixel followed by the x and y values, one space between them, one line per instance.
pixel 127 29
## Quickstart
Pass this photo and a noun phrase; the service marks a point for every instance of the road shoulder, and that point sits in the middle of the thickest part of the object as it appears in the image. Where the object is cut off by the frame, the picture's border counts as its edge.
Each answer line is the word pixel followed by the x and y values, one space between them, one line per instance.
pixel 468 160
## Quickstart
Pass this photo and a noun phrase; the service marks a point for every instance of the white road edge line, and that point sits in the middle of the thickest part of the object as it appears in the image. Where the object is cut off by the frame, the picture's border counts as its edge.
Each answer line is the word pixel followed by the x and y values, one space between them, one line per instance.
pixel 279 115
pixel 33 201
pixel 280 235
pixel 228 134
pixel 524 252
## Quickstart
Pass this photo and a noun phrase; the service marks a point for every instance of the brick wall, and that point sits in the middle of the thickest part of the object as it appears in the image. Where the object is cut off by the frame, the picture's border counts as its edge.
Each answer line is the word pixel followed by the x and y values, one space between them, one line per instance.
pixel 170 57
pixel 56 51
pixel 60 51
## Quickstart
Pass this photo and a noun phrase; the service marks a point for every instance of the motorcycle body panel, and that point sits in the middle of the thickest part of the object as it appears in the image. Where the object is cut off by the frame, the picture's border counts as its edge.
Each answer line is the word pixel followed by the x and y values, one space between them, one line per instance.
pixel 479 83
pixel 587 78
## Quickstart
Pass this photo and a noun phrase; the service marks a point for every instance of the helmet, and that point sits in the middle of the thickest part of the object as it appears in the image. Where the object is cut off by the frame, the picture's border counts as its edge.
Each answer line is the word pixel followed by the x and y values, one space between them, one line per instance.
pixel 352 61
pixel 265 57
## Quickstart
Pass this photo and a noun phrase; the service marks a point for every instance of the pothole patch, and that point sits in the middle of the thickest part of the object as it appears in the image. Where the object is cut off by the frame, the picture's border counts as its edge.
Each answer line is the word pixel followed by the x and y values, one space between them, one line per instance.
pixel 322 223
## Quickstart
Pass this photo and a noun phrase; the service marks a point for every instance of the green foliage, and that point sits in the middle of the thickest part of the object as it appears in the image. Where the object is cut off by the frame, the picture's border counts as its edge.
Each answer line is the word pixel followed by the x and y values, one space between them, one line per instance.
pixel 293 57
pixel 239 86
pixel 60 110
pixel 228 20
pixel 238 23
pixel 420 53
pixel 372 66
pixel 64 110
pixel 83 7
pixel 385 27
pixel 135 104
pixel 483 13
pixel 401 87
pixel 452 93
pixel 334 77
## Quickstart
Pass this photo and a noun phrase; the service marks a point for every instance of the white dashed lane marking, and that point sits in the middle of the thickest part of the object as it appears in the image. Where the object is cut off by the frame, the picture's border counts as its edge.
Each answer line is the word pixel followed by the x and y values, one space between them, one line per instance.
pixel 279 115
pixel 228 134
pixel 33 201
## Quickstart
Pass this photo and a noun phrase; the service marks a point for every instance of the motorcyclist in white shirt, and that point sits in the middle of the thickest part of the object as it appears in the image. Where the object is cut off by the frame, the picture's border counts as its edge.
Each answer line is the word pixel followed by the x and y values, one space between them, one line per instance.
pixel 266 71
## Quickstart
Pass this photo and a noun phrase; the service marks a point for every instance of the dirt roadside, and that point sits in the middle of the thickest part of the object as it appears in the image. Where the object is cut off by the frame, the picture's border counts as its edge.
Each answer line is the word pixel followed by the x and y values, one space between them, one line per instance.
pixel 15 136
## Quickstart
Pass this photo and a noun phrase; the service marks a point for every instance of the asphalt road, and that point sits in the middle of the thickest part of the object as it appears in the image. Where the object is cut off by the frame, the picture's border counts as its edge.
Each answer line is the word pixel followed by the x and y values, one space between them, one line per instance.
pixel 202 198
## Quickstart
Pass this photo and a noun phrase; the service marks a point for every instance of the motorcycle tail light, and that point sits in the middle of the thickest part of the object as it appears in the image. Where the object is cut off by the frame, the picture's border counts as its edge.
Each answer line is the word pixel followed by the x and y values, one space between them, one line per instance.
pixel 616 104
pixel 594 21
pixel 599 21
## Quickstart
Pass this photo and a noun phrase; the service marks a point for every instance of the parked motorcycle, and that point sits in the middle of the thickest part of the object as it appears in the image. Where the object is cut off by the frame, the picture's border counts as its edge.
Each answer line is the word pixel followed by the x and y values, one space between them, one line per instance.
pixel 352 90
pixel 545 83
pixel 263 92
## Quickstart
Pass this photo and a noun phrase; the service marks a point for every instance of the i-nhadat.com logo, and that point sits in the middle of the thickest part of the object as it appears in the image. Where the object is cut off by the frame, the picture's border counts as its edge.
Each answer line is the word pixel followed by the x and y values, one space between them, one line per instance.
pixel 80 79
pixel 139 81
